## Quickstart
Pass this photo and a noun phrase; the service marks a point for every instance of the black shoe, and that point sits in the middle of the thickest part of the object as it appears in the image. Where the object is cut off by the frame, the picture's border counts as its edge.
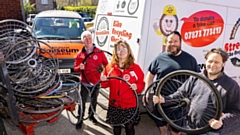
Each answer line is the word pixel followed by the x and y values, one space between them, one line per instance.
pixel 94 121
pixel 79 125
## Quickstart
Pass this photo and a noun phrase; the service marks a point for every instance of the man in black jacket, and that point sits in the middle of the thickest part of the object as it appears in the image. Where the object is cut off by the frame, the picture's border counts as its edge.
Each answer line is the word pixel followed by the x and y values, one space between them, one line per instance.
pixel 228 88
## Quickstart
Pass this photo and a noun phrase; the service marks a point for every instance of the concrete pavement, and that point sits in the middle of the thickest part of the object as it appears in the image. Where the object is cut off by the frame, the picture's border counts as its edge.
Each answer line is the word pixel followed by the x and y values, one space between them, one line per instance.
pixel 64 127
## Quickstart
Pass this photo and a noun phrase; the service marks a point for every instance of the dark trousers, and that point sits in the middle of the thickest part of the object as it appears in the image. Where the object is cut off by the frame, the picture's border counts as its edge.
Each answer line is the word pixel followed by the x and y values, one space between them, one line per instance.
pixel 85 95
pixel 129 129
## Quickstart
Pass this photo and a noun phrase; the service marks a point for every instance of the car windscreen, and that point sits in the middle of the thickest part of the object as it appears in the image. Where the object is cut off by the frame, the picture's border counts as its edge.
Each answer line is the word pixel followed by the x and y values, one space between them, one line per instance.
pixel 56 28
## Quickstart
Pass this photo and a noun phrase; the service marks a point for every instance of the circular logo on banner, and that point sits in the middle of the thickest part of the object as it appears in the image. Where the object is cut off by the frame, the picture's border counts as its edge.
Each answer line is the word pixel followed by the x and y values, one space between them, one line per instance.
pixel 95 57
pixel 102 31
pixel 126 77
pixel 133 6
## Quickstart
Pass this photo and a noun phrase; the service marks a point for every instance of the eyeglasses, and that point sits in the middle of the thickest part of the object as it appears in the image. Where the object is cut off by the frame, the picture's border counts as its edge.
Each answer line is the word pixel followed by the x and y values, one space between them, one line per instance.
pixel 121 49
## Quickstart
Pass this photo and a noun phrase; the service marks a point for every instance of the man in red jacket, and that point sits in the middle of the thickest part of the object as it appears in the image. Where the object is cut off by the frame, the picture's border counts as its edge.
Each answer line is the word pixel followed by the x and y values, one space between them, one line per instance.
pixel 92 75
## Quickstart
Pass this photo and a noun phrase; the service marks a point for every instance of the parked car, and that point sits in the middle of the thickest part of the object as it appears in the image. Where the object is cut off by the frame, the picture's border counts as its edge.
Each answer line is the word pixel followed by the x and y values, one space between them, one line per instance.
pixel 89 19
pixel 30 18
pixel 89 24
pixel 62 31
pixel 85 17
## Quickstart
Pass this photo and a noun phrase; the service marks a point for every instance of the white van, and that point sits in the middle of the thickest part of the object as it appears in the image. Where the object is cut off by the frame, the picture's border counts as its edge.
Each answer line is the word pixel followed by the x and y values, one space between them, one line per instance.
pixel 204 24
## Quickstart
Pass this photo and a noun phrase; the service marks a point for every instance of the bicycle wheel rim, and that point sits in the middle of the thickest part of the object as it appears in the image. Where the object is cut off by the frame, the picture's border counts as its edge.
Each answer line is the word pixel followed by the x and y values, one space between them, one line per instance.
pixel 84 72
pixel 149 106
pixel 216 95
pixel 101 118
pixel 75 116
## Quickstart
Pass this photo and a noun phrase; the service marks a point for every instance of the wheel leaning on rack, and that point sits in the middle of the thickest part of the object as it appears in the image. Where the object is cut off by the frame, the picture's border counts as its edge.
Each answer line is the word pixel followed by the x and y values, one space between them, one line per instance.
pixel 198 101
pixel 75 116
pixel 73 88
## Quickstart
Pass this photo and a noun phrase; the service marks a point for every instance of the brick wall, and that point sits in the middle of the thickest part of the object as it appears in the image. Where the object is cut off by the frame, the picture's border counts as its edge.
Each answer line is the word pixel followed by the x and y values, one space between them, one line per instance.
pixel 11 9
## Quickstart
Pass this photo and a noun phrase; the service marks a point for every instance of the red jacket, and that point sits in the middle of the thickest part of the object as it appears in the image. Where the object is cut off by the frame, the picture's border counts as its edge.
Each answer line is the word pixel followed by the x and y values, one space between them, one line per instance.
pixel 120 92
pixel 90 66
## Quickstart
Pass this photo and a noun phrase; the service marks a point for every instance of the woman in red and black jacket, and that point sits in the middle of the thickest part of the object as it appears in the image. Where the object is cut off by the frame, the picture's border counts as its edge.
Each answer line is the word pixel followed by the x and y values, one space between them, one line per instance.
pixel 122 65
pixel 92 62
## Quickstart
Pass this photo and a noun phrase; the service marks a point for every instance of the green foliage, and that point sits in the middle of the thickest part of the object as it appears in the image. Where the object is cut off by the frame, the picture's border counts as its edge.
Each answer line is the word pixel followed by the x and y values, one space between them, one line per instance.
pixel 86 9
pixel 29 8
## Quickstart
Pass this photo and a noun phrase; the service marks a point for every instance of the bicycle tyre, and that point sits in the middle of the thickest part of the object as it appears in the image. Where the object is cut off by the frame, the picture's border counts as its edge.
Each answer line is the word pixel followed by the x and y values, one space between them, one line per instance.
pixel 216 101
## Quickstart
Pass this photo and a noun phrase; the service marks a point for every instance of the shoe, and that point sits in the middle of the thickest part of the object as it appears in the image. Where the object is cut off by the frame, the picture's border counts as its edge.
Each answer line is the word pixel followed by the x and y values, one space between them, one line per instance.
pixel 94 121
pixel 79 125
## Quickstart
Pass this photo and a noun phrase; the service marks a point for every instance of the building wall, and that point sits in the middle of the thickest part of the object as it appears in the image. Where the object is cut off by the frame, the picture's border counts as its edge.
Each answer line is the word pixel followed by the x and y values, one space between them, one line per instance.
pixel 61 3
pixel 11 9
pixel 95 2
pixel 42 7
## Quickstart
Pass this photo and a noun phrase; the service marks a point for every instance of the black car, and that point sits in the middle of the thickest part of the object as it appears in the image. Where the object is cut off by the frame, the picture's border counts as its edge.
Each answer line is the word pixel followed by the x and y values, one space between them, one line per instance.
pixel 85 17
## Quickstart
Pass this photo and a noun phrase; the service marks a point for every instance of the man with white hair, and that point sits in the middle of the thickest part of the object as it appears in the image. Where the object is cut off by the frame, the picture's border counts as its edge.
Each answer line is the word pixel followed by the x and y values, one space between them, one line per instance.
pixel 98 59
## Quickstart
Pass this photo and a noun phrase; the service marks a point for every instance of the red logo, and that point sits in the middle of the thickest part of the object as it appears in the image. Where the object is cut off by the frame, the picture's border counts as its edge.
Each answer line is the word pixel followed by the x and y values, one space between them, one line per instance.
pixel 202 28
pixel 126 77
pixel 232 46
pixel 95 57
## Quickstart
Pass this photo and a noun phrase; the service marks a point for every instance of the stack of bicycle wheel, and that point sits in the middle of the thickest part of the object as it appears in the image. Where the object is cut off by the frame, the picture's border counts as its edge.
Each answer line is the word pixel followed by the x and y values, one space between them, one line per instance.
pixel 40 92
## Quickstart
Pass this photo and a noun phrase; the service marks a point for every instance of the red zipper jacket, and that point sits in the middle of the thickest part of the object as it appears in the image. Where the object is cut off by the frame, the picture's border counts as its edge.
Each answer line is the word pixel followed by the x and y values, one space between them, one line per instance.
pixel 121 95
pixel 90 65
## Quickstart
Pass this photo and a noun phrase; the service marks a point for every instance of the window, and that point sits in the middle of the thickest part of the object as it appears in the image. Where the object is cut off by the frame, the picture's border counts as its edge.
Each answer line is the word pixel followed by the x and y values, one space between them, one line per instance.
pixel 25 1
pixel 44 1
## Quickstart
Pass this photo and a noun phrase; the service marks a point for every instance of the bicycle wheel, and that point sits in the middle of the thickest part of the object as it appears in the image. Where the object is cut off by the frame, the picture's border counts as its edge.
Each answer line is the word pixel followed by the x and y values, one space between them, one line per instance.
pixel 96 67
pixel 34 115
pixel 75 116
pixel 13 31
pixel 119 99
pixel 72 89
pixel 149 105
pixel 191 100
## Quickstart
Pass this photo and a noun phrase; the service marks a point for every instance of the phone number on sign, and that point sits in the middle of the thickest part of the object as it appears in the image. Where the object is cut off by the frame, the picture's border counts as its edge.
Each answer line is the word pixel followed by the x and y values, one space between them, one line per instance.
pixel 202 33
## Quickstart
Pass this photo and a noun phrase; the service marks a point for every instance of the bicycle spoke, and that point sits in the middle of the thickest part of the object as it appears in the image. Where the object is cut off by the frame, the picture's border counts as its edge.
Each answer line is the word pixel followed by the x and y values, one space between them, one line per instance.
pixel 104 106
pixel 185 102
pixel 94 68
